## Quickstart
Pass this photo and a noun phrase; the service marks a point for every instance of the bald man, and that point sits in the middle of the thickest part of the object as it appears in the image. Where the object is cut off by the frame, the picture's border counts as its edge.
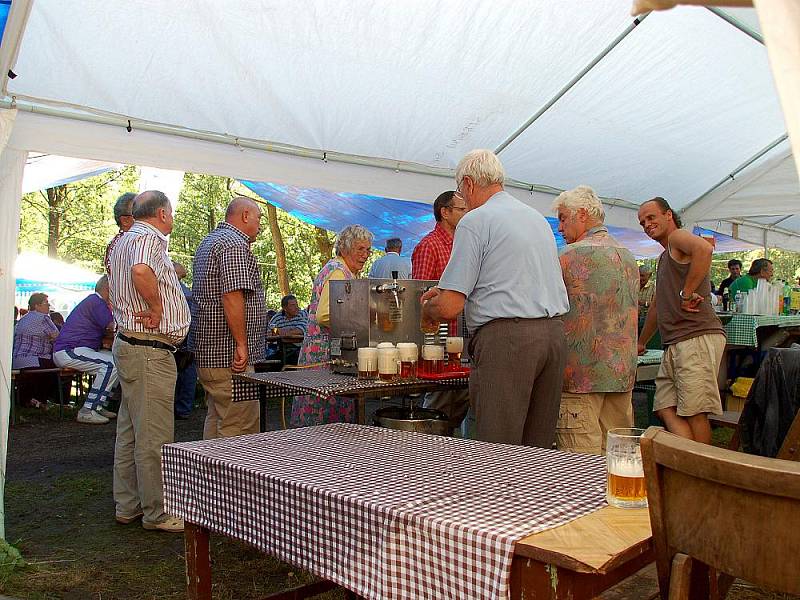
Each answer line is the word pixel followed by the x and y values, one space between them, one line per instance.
pixel 231 317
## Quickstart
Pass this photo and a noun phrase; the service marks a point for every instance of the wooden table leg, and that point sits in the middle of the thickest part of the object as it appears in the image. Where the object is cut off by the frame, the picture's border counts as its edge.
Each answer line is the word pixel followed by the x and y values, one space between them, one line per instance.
pixel 198 562
pixel 361 409
pixel 262 408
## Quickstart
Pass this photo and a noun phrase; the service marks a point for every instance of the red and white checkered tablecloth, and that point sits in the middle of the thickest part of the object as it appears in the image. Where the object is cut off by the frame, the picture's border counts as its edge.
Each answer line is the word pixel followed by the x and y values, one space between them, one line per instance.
pixel 387 514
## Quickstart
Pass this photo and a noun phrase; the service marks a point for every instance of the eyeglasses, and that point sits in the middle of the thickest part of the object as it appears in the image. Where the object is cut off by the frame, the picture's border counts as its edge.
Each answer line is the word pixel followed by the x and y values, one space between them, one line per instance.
pixel 458 208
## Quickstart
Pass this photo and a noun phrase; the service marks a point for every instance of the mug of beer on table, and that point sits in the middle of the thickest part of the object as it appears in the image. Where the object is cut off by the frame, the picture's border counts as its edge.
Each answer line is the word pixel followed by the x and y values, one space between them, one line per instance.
pixel 626 487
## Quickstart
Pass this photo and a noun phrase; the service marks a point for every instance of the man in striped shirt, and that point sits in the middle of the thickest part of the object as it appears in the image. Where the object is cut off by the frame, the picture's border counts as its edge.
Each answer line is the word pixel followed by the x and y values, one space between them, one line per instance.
pixel 152 318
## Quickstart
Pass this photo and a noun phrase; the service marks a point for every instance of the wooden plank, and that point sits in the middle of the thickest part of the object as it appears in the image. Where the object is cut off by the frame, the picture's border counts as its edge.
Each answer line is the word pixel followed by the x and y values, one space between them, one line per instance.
pixel 596 543
pixel 198 562
pixel 533 579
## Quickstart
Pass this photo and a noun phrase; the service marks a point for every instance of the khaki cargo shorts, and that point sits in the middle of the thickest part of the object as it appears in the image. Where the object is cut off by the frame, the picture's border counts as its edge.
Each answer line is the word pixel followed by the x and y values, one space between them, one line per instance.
pixel 584 420
pixel 687 378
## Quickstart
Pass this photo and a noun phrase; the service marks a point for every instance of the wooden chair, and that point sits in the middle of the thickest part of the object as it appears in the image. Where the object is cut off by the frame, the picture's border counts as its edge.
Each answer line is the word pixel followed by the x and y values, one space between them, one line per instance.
pixel 715 510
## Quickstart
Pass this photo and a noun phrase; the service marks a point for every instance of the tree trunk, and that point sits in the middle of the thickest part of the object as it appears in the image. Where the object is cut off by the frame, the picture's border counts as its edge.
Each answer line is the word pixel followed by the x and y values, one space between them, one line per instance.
pixel 55 202
pixel 280 251
pixel 324 245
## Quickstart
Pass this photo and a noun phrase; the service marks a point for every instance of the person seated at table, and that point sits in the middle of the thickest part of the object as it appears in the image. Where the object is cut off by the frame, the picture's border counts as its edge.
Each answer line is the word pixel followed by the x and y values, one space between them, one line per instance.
pixel 290 321
pixel 33 349
pixel 761 268
pixel 79 346
pixel 353 248
pixel 392 261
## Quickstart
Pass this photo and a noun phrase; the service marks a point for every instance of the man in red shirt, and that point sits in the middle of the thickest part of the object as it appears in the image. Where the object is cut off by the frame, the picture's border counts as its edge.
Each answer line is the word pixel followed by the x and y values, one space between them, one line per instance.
pixel 428 262
pixel 433 251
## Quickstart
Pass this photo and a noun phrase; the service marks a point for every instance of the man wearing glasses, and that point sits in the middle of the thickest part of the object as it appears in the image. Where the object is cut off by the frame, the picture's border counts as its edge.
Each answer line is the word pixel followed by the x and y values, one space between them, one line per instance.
pixel 428 261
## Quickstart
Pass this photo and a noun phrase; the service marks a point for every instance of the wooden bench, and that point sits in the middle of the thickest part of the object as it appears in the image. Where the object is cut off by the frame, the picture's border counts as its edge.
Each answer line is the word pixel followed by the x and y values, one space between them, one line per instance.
pixel 60 374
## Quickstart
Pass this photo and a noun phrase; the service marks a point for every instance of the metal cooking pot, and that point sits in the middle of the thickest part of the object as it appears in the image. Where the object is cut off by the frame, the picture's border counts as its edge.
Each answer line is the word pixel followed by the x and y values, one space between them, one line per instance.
pixel 422 420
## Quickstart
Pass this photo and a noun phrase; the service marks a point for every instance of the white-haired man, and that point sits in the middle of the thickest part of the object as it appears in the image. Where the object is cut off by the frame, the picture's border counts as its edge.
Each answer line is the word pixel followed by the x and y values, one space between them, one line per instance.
pixel 602 283
pixel 504 268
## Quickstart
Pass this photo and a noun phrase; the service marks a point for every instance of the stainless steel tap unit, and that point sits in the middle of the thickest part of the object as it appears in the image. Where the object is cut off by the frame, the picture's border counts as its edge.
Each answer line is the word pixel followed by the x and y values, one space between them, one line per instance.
pixel 365 312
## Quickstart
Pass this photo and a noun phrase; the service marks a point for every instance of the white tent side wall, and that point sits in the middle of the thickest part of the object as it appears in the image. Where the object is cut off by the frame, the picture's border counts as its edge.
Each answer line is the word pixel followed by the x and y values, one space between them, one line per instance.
pixel 12 165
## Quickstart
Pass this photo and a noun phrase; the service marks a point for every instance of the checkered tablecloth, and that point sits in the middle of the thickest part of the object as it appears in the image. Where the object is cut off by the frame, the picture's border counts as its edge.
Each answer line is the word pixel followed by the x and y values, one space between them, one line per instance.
pixel 387 514
pixel 741 329
pixel 320 382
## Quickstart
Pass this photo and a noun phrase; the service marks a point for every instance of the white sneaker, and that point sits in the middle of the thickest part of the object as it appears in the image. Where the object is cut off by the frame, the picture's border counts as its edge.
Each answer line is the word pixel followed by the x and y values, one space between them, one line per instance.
pixel 90 417
pixel 171 524
pixel 106 413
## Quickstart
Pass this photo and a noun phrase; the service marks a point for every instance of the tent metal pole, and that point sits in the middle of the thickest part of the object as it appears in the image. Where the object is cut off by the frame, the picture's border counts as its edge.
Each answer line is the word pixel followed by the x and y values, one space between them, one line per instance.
pixel 581 74
pixel 265 146
pixel 732 175
pixel 736 23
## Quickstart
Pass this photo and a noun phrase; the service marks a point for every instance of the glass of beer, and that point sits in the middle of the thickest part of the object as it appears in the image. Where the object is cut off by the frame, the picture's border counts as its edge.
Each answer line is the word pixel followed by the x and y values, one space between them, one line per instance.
pixel 367 363
pixel 626 487
pixel 455 346
pixel 388 363
pixel 432 362
pixel 408 359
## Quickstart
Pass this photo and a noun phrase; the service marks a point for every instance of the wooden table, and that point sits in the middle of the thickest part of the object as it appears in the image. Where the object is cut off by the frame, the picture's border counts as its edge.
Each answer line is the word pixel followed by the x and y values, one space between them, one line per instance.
pixel 576 561
pixel 583 557
pixel 251 488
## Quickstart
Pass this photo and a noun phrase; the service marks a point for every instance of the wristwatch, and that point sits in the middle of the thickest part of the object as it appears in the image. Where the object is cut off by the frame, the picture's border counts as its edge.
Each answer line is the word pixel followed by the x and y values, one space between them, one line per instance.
pixel 682 297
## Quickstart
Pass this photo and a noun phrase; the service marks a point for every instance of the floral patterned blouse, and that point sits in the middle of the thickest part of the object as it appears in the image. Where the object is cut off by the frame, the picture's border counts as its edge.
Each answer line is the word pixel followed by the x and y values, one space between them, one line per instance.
pixel 602 281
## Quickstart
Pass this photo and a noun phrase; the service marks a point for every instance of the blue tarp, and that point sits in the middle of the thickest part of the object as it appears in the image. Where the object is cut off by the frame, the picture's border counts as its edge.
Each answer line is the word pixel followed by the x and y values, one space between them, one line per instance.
pixel 410 221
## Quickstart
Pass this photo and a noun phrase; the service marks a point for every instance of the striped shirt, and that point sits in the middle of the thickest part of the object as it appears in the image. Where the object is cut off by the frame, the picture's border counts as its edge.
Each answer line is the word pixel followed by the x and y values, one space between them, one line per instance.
pixel 32 340
pixel 144 244
pixel 299 321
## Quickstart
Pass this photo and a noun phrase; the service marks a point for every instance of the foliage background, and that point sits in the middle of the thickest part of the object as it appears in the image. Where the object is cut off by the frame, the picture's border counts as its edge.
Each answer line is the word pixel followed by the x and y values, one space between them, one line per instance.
pixel 86 223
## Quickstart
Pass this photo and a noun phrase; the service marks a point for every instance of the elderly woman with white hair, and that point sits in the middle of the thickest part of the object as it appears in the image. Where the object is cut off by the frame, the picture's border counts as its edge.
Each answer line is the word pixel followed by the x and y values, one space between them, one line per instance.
pixel 353 247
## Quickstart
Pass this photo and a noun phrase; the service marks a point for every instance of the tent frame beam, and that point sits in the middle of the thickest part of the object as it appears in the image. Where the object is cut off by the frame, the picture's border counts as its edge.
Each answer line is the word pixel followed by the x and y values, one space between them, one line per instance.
pixel 572 82
pixel 266 146
pixel 732 175
pixel 736 23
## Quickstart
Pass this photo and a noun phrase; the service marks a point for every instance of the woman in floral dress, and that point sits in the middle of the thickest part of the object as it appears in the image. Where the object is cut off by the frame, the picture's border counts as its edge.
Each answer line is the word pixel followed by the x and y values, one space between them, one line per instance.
pixel 353 247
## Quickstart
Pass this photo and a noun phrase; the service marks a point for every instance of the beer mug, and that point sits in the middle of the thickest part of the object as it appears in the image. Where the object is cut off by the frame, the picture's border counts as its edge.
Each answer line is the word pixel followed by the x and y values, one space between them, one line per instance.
pixel 408 359
pixel 455 346
pixel 388 363
pixel 368 363
pixel 432 362
pixel 626 488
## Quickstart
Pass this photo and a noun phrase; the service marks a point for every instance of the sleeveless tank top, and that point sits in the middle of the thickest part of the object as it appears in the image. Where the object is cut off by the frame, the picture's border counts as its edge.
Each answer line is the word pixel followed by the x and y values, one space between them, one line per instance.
pixel 675 324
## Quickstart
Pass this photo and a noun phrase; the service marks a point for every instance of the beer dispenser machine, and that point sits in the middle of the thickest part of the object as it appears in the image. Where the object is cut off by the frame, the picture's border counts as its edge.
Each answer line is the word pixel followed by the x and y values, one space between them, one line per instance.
pixel 365 312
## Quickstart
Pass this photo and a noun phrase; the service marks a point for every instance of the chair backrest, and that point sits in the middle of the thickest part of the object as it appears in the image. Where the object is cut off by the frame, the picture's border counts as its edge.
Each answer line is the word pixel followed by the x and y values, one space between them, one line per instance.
pixel 737 513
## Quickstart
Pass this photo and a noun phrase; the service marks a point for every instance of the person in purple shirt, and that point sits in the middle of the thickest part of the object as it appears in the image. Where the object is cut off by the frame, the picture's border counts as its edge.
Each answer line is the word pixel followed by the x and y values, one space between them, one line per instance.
pixel 79 346
pixel 33 348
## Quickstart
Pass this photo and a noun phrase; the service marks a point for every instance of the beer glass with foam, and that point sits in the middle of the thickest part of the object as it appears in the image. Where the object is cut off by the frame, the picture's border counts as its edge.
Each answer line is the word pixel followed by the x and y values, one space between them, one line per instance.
pixel 455 346
pixel 408 359
pixel 432 362
pixel 626 487
pixel 388 363
pixel 367 363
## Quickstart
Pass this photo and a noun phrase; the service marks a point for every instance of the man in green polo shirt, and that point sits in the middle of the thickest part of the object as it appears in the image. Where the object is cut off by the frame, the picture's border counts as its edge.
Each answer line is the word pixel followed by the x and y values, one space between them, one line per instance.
pixel 760 269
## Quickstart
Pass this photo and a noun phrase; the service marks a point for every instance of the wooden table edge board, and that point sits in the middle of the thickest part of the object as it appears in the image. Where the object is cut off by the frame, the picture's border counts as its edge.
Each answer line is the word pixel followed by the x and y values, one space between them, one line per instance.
pixel 595 543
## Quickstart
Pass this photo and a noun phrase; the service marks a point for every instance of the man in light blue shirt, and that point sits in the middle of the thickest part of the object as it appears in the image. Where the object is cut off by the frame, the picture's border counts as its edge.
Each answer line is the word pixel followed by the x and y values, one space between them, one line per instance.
pixel 504 272
pixel 383 267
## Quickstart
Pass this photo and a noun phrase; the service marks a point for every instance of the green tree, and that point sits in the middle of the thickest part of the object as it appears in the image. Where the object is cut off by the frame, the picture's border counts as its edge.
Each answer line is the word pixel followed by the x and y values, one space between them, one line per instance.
pixel 74 221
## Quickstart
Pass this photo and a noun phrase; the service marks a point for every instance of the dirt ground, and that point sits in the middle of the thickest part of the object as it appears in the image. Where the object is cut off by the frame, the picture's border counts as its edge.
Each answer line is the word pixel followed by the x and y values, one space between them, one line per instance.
pixel 59 513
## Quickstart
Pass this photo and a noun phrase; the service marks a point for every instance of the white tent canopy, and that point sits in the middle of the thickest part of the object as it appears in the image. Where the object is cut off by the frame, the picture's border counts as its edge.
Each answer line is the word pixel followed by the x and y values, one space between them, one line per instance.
pixel 384 98
pixel 344 95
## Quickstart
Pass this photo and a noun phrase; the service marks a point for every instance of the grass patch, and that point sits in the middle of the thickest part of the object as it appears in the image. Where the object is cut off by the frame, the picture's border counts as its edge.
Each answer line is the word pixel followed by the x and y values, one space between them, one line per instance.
pixel 74 549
